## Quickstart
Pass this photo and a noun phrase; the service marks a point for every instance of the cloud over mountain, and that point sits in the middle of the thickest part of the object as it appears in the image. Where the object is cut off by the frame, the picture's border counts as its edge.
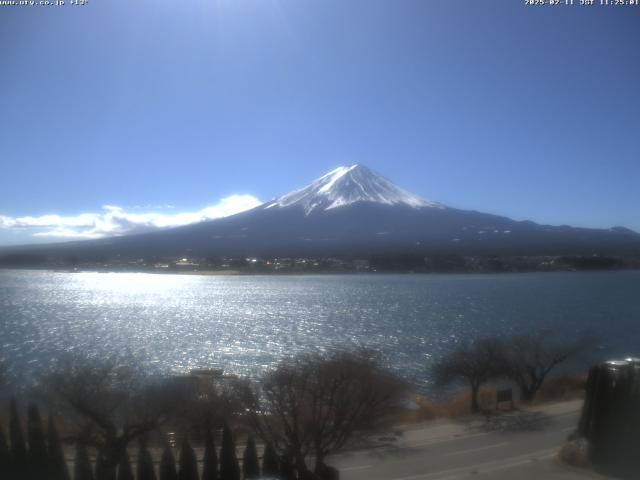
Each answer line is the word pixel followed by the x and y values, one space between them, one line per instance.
pixel 115 220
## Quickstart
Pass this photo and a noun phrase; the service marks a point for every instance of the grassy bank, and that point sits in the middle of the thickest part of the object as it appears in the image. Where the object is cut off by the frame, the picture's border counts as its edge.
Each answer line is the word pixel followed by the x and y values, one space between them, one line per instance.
pixel 560 388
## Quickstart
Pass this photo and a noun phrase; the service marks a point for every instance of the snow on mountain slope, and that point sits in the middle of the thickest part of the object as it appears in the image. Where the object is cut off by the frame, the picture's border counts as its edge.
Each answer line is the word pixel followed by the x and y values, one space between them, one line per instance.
pixel 347 185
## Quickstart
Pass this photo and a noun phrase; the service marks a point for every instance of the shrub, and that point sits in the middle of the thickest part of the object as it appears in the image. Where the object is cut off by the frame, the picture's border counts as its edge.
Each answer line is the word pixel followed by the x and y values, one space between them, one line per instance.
pixel 250 464
pixel 210 468
pixel 188 462
pixel 229 468
pixel 18 447
pixel 574 453
pixel 168 465
pixel 82 468
pixel 57 464
pixel 270 462
pixel 124 468
pixel 145 468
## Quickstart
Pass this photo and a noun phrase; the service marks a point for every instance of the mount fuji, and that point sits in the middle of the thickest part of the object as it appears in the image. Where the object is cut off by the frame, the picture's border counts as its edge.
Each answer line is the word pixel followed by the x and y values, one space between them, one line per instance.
pixel 355 211
pixel 346 186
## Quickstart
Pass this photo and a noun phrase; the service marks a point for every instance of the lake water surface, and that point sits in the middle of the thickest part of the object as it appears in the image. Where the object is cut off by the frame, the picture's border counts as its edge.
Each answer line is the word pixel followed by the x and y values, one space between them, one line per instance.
pixel 246 323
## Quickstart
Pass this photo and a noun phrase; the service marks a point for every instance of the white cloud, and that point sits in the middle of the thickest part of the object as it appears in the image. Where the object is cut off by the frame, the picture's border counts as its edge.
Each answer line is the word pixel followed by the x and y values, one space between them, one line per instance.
pixel 114 220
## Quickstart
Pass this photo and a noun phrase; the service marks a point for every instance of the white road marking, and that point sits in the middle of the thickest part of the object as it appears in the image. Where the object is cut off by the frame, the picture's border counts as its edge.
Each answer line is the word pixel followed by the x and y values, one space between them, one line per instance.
pixel 447 439
pixel 412 477
pixel 359 467
pixel 471 450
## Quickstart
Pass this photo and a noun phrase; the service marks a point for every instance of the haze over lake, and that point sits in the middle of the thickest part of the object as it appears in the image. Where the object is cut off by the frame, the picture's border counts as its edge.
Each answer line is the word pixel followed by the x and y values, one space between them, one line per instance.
pixel 246 323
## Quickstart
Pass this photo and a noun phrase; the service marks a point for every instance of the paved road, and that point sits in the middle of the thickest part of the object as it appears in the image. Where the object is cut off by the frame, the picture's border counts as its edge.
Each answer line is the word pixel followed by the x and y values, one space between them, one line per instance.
pixel 522 446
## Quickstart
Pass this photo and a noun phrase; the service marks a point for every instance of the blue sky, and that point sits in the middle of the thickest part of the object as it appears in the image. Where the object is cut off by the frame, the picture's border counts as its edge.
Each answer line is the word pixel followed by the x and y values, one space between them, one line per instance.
pixel 166 108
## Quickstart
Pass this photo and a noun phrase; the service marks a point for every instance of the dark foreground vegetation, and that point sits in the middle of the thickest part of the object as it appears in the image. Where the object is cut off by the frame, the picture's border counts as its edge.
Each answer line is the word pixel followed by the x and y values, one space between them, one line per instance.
pixel 523 360
pixel 105 422
pixel 121 427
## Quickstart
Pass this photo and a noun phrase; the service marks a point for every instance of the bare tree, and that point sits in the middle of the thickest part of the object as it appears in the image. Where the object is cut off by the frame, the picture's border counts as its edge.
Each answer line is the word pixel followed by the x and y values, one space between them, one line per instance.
pixel 112 405
pixel 528 359
pixel 317 405
pixel 205 404
pixel 474 362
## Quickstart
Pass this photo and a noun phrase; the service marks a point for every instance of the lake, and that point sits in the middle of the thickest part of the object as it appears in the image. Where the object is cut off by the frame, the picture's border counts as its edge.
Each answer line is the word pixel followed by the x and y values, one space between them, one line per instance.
pixel 244 324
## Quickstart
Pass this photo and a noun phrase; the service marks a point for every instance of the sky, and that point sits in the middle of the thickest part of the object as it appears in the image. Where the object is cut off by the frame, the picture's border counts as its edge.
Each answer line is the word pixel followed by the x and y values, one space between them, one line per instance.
pixel 120 116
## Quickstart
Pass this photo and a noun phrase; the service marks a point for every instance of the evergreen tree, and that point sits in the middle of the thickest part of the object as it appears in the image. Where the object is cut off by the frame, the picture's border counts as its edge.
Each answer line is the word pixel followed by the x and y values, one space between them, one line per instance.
pixel 188 462
pixel 210 469
pixel 124 467
pixel 250 463
pixel 37 456
pixel 82 466
pixel 57 464
pixel 168 465
pixel 145 468
pixel 287 471
pixel 270 463
pixel 99 467
pixel 5 456
pixel 104 471
pixel 18 446
pixel 229 468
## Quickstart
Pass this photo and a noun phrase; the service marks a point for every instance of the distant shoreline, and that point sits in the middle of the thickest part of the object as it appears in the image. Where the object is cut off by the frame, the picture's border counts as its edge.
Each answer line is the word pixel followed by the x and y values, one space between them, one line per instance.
pixel 240 273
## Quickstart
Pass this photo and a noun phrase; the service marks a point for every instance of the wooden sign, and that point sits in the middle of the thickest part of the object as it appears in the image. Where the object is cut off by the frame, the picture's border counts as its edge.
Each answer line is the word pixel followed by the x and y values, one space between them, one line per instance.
pixel 504 396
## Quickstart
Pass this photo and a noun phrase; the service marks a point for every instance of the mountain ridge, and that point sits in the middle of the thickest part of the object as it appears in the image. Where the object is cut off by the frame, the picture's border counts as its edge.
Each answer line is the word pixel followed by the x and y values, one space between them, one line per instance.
pixel 354 211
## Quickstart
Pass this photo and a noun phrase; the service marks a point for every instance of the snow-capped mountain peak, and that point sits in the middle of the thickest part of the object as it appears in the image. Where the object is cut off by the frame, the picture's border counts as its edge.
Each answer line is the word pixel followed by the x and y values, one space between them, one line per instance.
pixel 346 185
